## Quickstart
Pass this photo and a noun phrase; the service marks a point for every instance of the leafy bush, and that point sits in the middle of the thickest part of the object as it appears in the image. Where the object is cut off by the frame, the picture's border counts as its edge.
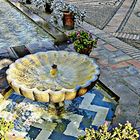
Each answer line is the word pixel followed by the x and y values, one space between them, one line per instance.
pixel 122 132
pixel 82 40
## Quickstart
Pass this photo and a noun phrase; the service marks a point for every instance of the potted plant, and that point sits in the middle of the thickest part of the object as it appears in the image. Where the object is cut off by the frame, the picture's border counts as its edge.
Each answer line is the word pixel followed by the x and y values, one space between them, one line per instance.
pixel 25 1
pixel 28 1
pixel 48 6
pixel 43 4
pixel 66 14
pixel 83 41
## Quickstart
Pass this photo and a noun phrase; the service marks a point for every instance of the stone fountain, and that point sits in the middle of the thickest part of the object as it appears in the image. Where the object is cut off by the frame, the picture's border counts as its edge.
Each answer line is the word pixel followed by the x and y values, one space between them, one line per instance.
pixel 53 76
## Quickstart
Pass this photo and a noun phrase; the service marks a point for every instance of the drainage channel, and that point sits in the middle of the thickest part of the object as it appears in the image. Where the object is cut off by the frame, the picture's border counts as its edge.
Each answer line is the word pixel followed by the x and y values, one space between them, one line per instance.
pixel 126 35
pixel 49 28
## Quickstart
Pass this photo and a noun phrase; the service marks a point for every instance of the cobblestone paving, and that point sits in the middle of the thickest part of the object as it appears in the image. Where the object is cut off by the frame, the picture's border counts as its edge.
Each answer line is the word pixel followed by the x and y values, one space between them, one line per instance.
pixel 132 26
pixel 116 20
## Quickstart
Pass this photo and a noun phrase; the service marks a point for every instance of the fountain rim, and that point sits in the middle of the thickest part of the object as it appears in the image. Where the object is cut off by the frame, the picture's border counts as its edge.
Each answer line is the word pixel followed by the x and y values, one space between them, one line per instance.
pixel 49 91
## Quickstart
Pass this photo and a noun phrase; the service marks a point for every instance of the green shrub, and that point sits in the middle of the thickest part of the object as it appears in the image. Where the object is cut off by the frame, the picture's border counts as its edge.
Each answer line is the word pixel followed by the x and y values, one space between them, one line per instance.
pixel 82 40
pixel 122 132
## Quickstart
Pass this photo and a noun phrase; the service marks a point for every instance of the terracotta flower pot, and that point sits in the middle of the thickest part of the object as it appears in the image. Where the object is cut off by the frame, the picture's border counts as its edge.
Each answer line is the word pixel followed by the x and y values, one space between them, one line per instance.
pixel 68 20
pixel 86 51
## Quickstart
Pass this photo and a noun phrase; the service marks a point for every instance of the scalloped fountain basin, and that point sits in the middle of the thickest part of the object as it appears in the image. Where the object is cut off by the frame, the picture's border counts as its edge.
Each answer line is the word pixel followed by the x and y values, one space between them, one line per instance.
pixel 34 77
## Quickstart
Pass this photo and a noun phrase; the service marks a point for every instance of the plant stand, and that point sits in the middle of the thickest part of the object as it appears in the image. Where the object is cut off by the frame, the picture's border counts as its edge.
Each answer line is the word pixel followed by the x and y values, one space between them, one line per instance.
pixel 68 20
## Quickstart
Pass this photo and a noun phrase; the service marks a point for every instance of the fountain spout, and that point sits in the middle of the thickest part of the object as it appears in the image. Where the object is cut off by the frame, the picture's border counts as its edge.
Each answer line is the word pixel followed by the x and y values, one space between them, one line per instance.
pixel 53 70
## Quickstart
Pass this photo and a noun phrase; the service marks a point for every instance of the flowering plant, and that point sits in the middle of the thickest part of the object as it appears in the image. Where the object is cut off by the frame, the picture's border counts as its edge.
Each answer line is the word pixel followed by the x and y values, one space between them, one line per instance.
pixel 122 132
pixel 41 3
pixel 82 40
pixel 5 126
pixel 59 6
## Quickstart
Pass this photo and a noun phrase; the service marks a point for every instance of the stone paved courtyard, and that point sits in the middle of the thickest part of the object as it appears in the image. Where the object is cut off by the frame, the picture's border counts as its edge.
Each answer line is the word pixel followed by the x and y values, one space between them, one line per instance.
pixel 99 12
pixel 119 62
pixel 120 17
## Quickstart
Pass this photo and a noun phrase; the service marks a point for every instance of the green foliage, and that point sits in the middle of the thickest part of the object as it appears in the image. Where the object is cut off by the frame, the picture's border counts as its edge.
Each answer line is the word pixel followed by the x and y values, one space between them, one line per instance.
pixel 4 128
pixel 82 40
pixel 59 6
pixel 122 132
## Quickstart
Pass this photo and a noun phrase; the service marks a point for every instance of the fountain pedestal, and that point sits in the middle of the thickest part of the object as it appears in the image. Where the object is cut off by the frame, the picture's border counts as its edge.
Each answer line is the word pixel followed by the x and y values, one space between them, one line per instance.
pixel 56 109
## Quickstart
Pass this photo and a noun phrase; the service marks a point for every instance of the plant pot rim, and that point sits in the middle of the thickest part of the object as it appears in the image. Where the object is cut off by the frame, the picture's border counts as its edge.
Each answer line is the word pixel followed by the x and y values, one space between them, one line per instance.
pixel 66 11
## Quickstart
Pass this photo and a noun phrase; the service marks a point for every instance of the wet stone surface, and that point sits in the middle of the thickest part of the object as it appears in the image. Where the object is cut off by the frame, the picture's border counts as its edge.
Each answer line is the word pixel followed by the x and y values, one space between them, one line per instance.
pixel 41 46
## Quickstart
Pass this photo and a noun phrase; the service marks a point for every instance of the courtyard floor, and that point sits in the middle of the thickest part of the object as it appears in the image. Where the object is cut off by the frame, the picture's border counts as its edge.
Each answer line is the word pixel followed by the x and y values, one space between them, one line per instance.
pixel 119 64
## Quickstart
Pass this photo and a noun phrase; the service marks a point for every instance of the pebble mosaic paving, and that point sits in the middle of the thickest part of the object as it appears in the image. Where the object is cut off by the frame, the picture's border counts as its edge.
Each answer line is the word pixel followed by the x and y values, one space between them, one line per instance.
pixel 31 121
pixel 98 12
